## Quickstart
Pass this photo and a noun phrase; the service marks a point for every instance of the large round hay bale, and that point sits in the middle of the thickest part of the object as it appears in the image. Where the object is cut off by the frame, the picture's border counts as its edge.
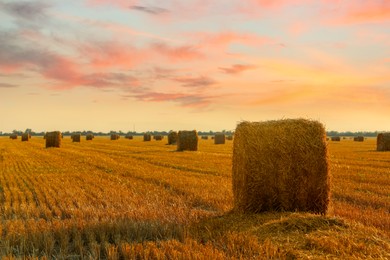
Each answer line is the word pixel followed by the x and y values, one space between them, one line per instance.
pixel 335 138
pixel 158 137
pixel 172 138
pixel 25 137
pixel 89 137
pixel 281 166
pixel 147 137
pixel 76 138
pixel 219 138
pixel 114 137
pixel 13 136
pixel 383 142
pixel 53 139
pixel 204 137
pixel 187 140
pixel 130 137
pixel 358 139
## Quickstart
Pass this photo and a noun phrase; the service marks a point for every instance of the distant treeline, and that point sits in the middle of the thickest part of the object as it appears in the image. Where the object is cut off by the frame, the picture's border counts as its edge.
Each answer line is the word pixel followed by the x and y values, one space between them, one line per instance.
pixel 69 133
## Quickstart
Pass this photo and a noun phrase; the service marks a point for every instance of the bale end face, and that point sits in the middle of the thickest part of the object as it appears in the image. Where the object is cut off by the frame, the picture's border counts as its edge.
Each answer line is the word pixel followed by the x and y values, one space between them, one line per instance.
pixel 187 140
pixel 383 142
pixel 53 139
pixel 147 137
pixel 172 138
pixel 25 137
pixel 219 138
pixel 358 139
pixel 281 166
pixel 335 138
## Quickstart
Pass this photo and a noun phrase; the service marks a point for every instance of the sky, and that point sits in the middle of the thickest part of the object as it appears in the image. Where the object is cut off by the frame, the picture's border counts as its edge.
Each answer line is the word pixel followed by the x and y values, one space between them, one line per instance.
pixel 110 65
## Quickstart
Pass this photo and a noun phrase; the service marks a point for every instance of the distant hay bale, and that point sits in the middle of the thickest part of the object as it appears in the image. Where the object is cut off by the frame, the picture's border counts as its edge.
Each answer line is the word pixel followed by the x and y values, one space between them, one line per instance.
pixel 383 142
pixel 53 139
pixel 172 138
pixel 13 136
pixel 358 139
pixel 187 140
pixel 229 137
pixel 129 137
pixel 115 137
pixel 25 137
pixel 147 137
pixel 212 138
pixel 219 138
pixel 204 137
pixel 158 137
pixel 281 166
pixel 335 138
pixel 89 137
pixel 76 138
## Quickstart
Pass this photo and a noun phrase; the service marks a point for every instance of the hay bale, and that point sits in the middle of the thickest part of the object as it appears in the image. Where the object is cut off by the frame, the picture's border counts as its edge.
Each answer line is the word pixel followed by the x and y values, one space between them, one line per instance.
pixel 335 138
pixel 187 140
pixel 115 137
pixel 147 137
pixel 383 142
pixel 358 139
pixel 158 137
pixel 130 137
pixel 13 136
pixel 205 137
pixel 281 166
pixel 76 138
pixel 89 137
pixel 229 137
pixel 25 137
pixel 53 139
pixel 172 138
pixel 219 138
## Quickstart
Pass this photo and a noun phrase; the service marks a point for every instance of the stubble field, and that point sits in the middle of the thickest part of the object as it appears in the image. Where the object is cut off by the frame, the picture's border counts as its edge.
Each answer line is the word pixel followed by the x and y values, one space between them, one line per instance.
pixel 129 199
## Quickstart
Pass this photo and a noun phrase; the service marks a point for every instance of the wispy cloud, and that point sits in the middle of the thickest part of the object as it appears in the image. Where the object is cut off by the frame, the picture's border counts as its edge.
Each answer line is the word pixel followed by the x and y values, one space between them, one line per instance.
pixel 149 9
pixel 197 82
pixel 30 11
pixel 237 68
pixel 7 85
pixel 176 53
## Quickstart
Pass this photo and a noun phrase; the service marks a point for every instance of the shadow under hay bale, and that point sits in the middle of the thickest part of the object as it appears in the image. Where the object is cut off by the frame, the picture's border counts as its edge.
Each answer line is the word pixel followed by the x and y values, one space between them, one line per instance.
pixel 383 142
pixel 358 139
pixel 76 138
pixel 89 137
pixel 114 137
pixel 53 139
pixel 281 166
pixel 219 138
pixel 172 138
pixel 335 138
pixel 187 140
pixel 25 137
pixel 147 137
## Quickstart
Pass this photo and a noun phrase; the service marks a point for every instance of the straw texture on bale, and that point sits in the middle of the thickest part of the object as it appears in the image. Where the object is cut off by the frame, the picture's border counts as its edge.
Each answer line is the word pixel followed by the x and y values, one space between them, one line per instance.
pixel 13 136
pixel 76 138
pixel 147 137
pixel 281 166
pixel 158 137
pixel 205 137
pixel 89 137
pixel 335 138
pixel 53 139
pixel 383 142
pixel 187 140
pixel 358 138
pixel 219 138
pixel 115 137
pixel 25 137
pixel 172 138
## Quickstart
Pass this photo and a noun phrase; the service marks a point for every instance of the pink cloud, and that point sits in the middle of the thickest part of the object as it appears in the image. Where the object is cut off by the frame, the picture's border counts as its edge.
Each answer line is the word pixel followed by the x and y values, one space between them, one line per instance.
pixel 237 68
pixel 184 52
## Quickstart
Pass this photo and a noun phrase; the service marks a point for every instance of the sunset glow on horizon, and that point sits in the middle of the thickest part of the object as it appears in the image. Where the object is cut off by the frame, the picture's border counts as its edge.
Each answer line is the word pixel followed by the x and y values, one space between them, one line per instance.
pixel 105 65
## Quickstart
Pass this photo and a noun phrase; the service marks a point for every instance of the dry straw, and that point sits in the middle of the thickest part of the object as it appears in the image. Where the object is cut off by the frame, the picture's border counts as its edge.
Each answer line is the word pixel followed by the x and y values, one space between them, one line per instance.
pixel 172 137
pixel 383 142
pixel 147 137
pixel 76 138
pixel 281 166
pixel 89 137
pixel 335 138
pixel 187 140
pixel 53 139
pixel 115 137
pixel 358 138
pixel 219 138
pixel 25 137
